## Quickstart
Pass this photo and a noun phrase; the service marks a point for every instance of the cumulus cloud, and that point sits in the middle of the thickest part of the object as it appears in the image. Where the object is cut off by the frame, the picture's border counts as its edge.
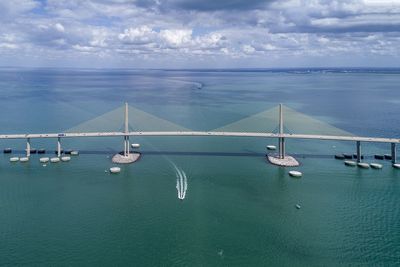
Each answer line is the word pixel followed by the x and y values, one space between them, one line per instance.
pixel 139 35
pixel 238 31
pixel 176 37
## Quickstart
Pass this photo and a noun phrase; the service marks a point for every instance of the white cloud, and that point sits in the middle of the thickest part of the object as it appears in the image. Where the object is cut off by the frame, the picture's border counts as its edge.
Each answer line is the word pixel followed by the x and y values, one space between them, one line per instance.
pixel 140 35
pixel 14 8
pixel 248 49
pixel 59 27
pixel 201 31
pixel 176 37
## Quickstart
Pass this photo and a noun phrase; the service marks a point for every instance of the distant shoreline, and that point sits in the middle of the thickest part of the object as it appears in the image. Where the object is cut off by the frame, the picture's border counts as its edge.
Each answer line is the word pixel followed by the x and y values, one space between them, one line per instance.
pixel 300 70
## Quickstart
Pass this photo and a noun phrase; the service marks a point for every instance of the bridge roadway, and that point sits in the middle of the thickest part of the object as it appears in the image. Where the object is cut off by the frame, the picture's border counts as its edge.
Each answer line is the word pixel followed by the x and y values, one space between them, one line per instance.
pixel 201 133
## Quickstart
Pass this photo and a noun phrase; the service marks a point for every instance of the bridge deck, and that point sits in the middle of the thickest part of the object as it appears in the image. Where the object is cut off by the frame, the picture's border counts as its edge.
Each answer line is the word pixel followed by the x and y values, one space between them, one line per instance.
pixel 201 133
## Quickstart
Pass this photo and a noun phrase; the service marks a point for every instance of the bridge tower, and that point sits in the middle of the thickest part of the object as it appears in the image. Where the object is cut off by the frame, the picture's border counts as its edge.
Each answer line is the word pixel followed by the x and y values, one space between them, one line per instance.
pixel 281 139
pixel 126 137
pixel 126 157
pixel 281 159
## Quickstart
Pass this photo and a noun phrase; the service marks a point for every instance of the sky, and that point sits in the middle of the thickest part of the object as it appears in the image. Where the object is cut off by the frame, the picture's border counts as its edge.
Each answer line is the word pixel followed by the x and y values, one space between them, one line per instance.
pixel 200 33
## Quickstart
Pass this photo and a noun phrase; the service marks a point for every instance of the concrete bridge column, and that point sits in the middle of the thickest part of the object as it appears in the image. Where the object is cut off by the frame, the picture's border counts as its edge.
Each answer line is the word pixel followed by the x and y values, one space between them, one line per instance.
pixel 28 147
pixel 394 154
pixel 126 146
pixel 281 139
pixel 358 151
pixel 58 147
pixel 281 148
pixel 126 137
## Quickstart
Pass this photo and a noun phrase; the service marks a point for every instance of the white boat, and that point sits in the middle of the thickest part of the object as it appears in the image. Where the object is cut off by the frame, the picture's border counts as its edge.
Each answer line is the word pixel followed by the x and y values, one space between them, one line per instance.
pixel 14 159
pixel 363 165
pixel 44 160
pixel 376 166
pixel 271 147
pixel 350 163
pixel 298 206
pixel 295 173
pixel 135 145
pixel 74 152
pixel 115 169
pixel 55 160
pixel 23 159
pixel 65 158
pixel 396 165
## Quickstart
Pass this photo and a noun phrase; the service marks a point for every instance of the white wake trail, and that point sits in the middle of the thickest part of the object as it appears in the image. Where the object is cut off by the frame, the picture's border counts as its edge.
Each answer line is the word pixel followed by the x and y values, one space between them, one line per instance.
pixel 182 192
pixel 177 186
pixel 185 185
pixel 181 182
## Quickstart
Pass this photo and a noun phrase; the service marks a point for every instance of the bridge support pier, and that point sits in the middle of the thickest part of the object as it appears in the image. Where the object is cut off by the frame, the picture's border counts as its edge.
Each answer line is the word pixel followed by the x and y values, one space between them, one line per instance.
pixel 281 148
pixel 127 156
pixel 281 139
pixel 126 146
pixel 282 159
pixel 28 147
pixel 394 154
pixel 358 151
pixel 58 147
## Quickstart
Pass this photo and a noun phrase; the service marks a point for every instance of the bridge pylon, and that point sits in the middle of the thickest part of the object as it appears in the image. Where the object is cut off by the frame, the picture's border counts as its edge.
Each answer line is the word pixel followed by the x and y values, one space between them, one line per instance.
pixel 126 131
pixel 281 159
pixel 281 139
pixel 126 156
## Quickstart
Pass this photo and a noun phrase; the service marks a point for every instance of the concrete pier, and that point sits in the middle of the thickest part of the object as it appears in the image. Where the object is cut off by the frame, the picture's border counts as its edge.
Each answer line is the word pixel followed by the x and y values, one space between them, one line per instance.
pixel 122 159
pixel 394 154
pixel 28 147
pixel 287 161
pixel 358 151
pixel 58 147
pixel 281 139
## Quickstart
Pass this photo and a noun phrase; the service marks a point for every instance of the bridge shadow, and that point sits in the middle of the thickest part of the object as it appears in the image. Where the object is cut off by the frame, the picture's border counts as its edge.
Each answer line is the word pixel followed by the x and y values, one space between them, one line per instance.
pixel 186 153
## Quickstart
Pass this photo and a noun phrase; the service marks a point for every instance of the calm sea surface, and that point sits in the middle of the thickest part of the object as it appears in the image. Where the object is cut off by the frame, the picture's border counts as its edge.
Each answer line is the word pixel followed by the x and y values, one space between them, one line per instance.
pixel 238 209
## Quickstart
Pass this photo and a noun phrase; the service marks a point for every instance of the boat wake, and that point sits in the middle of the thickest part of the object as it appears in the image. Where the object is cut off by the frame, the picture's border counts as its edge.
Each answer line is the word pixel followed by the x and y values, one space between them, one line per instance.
pixel 181 183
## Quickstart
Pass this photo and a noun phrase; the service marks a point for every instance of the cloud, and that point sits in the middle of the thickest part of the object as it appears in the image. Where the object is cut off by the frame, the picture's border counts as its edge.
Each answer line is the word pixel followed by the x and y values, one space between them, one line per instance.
pixel 176 37
pixel 212 5
pixel 139 35
pixel 202 5
pixel 233 32
pixel 9 9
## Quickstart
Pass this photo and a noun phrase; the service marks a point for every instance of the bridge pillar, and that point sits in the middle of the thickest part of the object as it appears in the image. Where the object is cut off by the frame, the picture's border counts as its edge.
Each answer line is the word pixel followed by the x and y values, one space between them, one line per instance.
pixel 281 148
pixel 28 147
pixel 58 147
pixel 358 151
pixel 126 146
pixel 281 139
pixel 394 153
pixel 126 137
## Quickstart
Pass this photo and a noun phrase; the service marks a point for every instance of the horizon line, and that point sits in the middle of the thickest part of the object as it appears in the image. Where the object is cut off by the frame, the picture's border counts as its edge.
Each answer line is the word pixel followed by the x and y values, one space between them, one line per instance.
pixel 203 69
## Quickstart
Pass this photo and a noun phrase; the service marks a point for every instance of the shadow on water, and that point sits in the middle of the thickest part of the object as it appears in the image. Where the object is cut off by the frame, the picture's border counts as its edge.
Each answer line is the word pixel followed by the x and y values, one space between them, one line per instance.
pixel 197 153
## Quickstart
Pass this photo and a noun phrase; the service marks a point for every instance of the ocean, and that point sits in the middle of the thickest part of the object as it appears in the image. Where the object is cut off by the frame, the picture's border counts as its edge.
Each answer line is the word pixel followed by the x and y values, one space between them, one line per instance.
pixel 199 201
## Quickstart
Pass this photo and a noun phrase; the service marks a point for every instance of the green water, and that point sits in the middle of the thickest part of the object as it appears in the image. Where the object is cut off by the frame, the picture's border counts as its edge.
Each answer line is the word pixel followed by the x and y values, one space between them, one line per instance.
pixel 244 215
pixel 239 210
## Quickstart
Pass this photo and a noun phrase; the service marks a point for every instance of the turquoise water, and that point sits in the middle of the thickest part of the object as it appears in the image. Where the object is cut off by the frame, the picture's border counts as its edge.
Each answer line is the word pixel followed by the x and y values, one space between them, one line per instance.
pixel 238 210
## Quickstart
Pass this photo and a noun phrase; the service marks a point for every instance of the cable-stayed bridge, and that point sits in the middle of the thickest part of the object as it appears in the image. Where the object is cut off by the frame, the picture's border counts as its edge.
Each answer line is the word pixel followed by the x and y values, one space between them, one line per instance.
pixel 281 136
